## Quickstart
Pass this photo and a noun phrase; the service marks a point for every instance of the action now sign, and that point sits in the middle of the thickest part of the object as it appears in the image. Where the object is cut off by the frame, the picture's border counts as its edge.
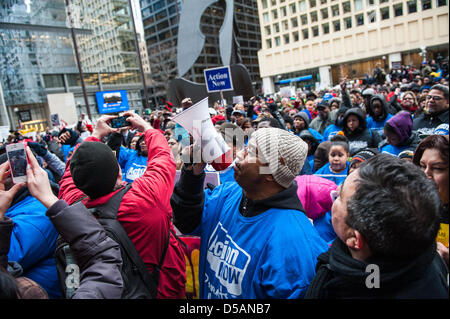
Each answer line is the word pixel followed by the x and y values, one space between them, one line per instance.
pixel 218 79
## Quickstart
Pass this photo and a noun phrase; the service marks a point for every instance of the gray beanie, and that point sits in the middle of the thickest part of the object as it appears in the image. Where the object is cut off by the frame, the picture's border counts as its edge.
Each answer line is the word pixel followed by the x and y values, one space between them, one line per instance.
pixel 275 143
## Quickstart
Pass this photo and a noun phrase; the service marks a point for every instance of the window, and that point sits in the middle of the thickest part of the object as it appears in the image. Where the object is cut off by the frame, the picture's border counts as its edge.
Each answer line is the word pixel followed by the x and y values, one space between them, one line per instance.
pixel 337 25
pixel 266 17
pixel 294 22
pixel 326 28
pixel 276 28
pixel 398 10
pixel 286 38
pixel 267 29
pixel 302 5
pixel 335 10
pixel 324 13
pixel 273 2
pixel 284 25
pixel 346 7
pixel 348 23
pixel 292 8
pixel 370 2
pixel 314 16
pixel 359 19
pixel 295 36
pixel 264 4
pixel 441 3
pixel 358 4
pixel 305 34
pixel 269 43
pixel 383 1
pixel 323 1
pixel 312 3
pixel 426 4
pixel 277 41
pixel 384 13
pixel 412 6
pixel 372 16
pixel 283 11
pixel 304 19
pixel 275 14
pixel 315 31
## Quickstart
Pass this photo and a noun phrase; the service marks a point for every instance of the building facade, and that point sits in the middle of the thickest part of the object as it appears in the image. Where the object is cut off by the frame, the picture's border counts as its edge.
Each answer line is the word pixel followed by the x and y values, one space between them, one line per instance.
pixel 161 18
pixel 331 39
pixel 37 56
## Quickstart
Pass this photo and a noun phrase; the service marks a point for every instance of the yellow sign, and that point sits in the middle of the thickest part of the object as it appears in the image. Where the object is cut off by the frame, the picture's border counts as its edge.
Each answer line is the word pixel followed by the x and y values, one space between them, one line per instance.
pixel 442 236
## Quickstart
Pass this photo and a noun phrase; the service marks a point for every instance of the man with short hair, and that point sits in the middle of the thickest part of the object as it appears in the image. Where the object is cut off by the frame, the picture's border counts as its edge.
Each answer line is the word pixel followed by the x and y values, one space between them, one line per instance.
pixel 322 121
pixel 256 241
pixel 144 211
pixel 386 217
pixel 436 111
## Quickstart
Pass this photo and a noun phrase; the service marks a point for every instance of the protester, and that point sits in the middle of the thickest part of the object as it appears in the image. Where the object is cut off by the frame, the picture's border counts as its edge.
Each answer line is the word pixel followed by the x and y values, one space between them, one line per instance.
pixel 337 167
pixel 399 134
pixel 432 156
pixel 386 221
pixel 243 225
pixel 323 120
pixel 378 114
pixel 145 211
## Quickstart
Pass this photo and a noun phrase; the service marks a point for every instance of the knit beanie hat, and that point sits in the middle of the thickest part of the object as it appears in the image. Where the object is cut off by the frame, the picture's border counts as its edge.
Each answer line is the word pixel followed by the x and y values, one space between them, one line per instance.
pixel 94 169
pixel 283 151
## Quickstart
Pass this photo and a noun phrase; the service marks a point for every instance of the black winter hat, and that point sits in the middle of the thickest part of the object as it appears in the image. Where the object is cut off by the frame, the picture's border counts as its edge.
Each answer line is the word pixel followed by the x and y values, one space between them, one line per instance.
pixel 94 169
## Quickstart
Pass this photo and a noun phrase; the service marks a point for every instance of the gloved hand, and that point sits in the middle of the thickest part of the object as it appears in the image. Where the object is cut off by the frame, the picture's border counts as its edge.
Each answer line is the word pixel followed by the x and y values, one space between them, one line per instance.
pixel 38 148
pixel 273 107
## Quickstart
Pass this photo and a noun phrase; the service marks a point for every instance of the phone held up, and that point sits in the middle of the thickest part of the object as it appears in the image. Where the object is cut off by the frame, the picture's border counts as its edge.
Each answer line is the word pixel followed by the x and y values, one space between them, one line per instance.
pixel 120 121
pixel 18 162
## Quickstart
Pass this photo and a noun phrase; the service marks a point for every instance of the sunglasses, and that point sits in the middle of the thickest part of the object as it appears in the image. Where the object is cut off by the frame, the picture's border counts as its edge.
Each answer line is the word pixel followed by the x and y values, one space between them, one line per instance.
pixel 434 97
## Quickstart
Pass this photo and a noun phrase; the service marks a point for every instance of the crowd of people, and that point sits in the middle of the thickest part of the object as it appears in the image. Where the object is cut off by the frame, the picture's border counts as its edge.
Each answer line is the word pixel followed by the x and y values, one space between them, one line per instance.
pixel 319 186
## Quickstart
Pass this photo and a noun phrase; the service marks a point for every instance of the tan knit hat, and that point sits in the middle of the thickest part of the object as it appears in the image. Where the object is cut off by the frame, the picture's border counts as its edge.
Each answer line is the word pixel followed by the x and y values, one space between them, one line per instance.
pixel 275 144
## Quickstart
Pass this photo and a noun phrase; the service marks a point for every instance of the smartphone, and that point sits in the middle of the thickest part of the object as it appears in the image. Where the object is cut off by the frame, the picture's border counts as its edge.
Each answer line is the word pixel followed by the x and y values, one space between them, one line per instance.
pixel 120 121
pixel 18 162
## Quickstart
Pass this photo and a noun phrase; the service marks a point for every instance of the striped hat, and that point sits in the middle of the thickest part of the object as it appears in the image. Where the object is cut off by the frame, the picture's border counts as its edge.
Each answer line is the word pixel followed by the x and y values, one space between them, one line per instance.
pixel 283 151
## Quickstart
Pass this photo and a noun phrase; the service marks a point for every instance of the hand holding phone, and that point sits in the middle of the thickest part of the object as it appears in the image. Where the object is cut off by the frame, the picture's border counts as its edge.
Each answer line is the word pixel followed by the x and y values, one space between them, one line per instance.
pixel 17 162
pixel 120 121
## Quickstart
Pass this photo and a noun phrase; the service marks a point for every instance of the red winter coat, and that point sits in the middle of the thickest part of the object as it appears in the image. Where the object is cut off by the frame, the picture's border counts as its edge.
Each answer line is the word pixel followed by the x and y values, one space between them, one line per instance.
pixel 145 213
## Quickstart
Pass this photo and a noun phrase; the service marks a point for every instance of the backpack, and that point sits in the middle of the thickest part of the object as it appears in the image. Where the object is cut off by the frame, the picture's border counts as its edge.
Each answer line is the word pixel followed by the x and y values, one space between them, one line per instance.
pixel 137 282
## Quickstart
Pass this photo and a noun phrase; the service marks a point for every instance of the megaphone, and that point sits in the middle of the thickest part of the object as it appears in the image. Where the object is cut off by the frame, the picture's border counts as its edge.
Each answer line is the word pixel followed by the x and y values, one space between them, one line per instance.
pixel 197 121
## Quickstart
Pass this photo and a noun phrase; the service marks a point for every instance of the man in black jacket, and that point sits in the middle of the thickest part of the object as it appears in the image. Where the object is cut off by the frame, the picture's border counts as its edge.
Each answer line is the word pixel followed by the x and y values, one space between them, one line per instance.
pixel 436 111
pixel 386 218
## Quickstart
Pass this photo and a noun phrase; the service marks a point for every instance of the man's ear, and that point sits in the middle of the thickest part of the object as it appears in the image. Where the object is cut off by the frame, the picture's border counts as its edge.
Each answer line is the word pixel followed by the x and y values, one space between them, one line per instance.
pixel 355 240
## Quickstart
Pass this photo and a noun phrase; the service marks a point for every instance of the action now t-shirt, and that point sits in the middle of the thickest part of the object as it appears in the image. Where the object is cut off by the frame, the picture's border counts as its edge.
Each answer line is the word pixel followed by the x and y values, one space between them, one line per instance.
pixel 133 166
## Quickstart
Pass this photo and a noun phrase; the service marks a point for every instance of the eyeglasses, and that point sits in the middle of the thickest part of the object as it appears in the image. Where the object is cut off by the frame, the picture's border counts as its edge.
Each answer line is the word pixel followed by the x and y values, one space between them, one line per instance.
pixel 434 97
pixel 334 195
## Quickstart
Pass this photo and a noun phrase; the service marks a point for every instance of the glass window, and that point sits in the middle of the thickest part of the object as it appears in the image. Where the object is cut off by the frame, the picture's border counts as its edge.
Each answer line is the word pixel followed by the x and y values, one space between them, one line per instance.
pixel 267 30
pixel 53 80
pixel 292 8
pixel 284 25
pixel 276 28
pixel 286 38
pixel 294 22
pixel 277 41
pixel 326 28
pixel 358 4
pixel 315 31
pixel 295 36
pixel 359 19
pixel 305 34
pixel 335 10
pixel 283 11
pixel 348 22
pixel 314 16
pixel 264 4
pixel 371 2
pixel 372 16
pixel 346 7
pixel 273 2
pixel 337 25
pixel 269 43
pixel 426 4
pixel 384 13
pixel 266 17
pixel 441 3
pixel 312 3
pixel 398 10
pixel 383 1
pixel 275 14
pixel 302 5
pixel 412 6
pixel 323 1
pixel 304 19
pixel 324 13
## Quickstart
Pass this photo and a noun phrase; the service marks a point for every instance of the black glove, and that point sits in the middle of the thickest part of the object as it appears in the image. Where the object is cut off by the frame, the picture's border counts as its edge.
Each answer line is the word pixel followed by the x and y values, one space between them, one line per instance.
pixel 38 148
pixel 273 107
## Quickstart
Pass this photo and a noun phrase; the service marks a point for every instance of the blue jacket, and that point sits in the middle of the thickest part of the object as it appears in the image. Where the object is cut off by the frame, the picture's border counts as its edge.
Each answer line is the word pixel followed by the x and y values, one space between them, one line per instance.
pixel 133 166
pixel 377 126
pixel 33 244
pixel 331 131
pixel 338 178
pixel 254 257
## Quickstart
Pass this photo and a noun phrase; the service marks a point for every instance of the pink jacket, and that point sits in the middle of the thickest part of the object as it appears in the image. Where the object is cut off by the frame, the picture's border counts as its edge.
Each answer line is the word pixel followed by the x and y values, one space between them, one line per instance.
pixel 314 194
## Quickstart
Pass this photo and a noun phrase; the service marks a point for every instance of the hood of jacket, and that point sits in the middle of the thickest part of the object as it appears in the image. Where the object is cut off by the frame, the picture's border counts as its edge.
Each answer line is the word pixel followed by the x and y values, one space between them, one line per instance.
pixel 314 194
pixel 362 121
pixel 383 116
pixel 304 116
pixel 307 135
pixel 402 124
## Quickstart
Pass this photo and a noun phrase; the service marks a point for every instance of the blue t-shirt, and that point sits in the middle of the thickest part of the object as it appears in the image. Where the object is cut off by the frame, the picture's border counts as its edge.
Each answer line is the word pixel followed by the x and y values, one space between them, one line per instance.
pixel 331 131
pixel 337 178
pixel 270 255
pixel 393 150
pixel 377 126
pixel 133 166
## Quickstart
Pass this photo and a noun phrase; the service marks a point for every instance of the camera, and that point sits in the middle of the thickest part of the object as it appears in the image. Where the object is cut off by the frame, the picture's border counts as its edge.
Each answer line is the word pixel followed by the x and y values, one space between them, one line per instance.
pixel 120 121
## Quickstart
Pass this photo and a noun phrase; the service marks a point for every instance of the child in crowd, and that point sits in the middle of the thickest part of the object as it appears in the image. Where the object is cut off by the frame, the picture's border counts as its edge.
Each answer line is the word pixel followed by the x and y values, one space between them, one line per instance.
pixel 337 167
